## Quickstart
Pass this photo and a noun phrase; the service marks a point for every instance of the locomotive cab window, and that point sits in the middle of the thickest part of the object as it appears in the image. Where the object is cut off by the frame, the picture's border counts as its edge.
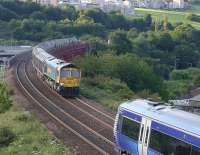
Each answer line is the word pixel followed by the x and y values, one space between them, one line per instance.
pixel 195 151
pixel 130 128
pixel 75 73
pixel 65 73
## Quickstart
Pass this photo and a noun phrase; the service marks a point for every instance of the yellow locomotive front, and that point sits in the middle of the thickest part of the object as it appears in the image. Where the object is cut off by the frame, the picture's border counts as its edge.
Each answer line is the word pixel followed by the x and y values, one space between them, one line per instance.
pixel 69 81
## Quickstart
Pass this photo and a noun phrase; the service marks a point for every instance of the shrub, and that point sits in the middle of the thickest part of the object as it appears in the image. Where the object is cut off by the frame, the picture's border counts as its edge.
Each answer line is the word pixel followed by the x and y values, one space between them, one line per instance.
pixel 24 117
pixel 6 136
pixel 196 81
pixel 177 88
pixel 193 17
pixel 5 101
pixel 185 74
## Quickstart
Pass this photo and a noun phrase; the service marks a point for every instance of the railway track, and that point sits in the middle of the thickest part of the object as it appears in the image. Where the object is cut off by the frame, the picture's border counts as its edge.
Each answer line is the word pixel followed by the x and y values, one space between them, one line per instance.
pixel 90 125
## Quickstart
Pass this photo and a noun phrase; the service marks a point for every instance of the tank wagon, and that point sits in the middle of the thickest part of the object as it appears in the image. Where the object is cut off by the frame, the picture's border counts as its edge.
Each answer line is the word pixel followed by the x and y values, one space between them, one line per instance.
pixel 61 76
pixel 144 127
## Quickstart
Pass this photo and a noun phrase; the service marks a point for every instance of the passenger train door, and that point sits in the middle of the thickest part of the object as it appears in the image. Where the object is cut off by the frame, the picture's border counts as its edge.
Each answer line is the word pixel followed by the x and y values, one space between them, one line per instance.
pixel 144 136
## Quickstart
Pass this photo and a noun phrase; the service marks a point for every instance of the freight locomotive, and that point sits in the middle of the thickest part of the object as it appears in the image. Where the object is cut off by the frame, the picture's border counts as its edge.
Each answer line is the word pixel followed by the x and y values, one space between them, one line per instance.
pixel 144 127
pixel 61 76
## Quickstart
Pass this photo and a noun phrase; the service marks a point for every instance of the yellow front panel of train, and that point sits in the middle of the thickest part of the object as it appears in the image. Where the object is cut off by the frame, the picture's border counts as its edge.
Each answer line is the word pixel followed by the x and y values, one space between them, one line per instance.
pixel 70 82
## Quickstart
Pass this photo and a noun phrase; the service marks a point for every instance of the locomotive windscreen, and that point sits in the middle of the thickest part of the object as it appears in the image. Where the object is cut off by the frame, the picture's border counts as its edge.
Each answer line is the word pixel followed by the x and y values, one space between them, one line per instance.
pixel 70 72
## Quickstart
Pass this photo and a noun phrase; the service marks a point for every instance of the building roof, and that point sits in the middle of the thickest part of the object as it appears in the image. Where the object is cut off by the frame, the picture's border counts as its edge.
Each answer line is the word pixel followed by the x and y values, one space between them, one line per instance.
pixel 165 114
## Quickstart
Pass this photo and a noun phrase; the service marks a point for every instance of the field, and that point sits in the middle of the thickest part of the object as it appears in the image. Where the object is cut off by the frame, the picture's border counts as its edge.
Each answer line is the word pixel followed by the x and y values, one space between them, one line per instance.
pixel 172 16
pixel 30 136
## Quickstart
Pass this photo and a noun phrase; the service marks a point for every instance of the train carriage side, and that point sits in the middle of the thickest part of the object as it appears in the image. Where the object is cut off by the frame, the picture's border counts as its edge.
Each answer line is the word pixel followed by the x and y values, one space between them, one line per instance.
pixel 142 129
pixel 39 58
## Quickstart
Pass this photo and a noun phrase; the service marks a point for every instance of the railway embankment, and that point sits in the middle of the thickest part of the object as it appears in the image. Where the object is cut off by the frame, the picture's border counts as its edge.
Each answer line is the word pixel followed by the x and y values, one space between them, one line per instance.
pixel 82 126
pixel 21 132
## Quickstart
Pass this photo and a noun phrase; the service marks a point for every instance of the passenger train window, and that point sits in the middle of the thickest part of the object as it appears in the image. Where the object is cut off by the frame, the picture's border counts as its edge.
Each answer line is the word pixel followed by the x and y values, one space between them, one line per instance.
pixel 167 145
pixel 195 151
pixel 130 128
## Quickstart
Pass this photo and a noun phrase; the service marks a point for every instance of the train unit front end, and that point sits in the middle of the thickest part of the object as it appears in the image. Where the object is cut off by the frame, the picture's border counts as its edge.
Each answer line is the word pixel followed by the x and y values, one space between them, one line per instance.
pixel 144 127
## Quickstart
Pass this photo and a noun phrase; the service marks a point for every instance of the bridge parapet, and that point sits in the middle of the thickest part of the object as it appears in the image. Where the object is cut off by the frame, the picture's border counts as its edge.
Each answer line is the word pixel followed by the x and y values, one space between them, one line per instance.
pixel 65 49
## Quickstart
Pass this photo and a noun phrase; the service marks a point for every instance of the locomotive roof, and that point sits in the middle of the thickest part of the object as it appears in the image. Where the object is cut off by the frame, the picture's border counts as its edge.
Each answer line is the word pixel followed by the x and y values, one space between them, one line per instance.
pixel 58 63
pixel 165 114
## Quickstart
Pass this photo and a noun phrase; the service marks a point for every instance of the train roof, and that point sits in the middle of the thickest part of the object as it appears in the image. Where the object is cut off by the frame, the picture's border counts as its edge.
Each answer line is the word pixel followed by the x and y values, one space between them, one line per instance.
pixel 42 54
pixel 167 115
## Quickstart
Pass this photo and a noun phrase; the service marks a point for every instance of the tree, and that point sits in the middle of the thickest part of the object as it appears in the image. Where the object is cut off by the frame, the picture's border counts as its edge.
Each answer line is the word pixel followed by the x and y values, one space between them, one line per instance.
pixel 53 13
pixel 119 41
pixel 38 15
pixel 186 56
pixel 138 74
pixel 165 41
pixel 69 12
pixel 6 14
pixel 5 101
pixel 132 33
pixel 148 20
pixel 97 15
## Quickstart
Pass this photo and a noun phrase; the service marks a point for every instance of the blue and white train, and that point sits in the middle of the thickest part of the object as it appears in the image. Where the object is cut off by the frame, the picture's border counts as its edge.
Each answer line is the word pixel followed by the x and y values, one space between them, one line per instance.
pixel 144 127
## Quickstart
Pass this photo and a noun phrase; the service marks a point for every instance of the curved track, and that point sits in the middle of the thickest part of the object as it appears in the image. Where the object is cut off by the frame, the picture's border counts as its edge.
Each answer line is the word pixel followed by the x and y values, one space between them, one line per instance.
pixel 91 126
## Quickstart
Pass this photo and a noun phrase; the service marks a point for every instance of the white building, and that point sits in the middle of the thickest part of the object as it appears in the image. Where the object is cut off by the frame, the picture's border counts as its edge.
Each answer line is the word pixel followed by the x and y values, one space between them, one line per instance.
pixel 125 7
pixel 158 3
pixel 45 2
pixel 178 4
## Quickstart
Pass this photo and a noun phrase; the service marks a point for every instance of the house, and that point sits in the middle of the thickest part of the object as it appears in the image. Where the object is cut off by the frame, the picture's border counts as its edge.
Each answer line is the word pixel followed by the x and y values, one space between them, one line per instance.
pixel 158 3
pixel 178 4
pixel 125 7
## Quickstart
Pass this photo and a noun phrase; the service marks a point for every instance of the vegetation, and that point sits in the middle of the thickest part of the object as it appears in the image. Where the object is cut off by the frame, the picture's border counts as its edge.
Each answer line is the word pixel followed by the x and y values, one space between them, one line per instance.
pixel 21 134
pixel 177 16
pixel 5 100
pixel 194 17
pixel 133 56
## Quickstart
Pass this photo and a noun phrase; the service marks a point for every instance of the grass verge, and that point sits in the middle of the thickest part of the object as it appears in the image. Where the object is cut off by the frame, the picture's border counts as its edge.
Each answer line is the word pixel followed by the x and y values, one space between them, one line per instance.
pixel 30 136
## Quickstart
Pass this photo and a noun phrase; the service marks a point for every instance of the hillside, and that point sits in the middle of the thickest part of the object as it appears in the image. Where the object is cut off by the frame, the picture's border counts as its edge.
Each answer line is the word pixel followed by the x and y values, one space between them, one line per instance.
pixel 173 16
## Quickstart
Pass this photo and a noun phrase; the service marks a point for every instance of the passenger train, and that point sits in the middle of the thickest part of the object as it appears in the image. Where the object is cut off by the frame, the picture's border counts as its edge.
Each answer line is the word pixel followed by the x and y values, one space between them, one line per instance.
pixel 144 127
pixel 61 76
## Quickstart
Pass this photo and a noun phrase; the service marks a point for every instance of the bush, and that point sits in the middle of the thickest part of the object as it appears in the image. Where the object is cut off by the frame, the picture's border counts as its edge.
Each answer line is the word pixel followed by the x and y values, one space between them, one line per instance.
pixel 6 136
pixel 185 74
pixel 5 101
pixel 24 117
pixel 178 88
pixel 196 81
pixel 110 92
pixel 193 17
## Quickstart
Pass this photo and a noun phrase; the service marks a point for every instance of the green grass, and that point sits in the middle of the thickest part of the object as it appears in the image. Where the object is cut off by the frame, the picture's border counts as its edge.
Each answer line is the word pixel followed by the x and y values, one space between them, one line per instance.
pixel 31 136
pixel 173 16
